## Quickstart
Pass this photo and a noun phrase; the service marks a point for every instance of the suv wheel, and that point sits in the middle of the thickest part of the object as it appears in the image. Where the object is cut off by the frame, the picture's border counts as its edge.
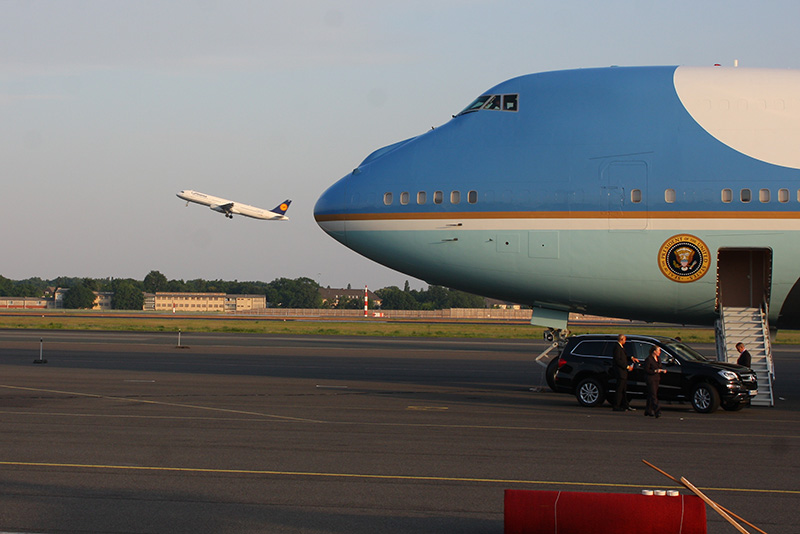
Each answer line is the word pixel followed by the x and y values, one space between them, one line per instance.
pixel 590 392
pixel 705 398
pixel 550 373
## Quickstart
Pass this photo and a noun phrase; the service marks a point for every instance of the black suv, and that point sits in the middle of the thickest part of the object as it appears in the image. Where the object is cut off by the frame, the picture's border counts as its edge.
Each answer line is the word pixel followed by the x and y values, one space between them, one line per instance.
pixel 584 370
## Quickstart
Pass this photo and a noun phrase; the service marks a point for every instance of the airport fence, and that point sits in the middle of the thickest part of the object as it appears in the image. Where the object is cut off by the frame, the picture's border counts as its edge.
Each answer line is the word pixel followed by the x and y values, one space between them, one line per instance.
pixel 494 314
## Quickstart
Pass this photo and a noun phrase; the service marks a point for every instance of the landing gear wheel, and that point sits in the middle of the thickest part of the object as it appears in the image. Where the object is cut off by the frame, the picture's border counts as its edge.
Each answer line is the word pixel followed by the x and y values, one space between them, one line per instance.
pixel 556 335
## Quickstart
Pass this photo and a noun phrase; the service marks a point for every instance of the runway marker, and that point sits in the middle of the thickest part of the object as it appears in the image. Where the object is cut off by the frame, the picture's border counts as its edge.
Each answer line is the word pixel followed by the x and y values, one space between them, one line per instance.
pixel 371 477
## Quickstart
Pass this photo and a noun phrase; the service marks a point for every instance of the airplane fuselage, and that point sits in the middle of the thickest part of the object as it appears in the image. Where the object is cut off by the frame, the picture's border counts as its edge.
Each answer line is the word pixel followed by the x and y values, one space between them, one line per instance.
pixel 642 193
pixel 230 208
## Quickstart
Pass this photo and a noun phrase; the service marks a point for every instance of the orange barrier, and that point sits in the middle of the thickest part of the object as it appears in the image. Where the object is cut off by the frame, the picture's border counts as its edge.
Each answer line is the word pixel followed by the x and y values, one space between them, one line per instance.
pixel 569 512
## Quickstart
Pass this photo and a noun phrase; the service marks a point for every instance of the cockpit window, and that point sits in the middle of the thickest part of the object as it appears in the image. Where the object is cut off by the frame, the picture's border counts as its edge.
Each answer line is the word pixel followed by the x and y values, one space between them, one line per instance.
pixel 494 102
pixel 510 102
pixel 478 104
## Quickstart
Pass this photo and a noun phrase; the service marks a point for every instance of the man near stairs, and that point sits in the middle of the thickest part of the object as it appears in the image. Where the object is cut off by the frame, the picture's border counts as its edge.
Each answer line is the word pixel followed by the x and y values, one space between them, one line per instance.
pixel 744 355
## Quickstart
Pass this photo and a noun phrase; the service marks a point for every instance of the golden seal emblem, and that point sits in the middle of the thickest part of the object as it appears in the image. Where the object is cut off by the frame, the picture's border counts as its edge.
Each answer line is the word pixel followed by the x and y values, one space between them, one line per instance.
pixel 684 258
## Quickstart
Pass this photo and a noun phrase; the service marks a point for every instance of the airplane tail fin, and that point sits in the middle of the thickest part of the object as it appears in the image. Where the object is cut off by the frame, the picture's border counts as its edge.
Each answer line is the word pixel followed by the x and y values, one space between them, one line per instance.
pixel 282 207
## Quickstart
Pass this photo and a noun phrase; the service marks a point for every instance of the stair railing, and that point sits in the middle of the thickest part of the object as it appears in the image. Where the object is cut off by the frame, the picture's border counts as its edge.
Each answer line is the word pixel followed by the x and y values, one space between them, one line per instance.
pixel 767 340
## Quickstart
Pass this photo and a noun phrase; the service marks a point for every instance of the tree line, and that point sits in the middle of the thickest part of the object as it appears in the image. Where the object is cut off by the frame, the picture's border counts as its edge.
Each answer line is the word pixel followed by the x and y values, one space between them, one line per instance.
pixel 128 293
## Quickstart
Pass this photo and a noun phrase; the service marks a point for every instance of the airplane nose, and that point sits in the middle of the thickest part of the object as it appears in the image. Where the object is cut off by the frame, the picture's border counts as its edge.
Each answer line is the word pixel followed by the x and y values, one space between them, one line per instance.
pixel 330 211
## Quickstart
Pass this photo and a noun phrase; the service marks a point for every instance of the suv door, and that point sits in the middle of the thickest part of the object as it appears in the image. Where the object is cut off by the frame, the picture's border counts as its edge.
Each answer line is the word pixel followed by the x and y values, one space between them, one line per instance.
pixel 671 384
pixel 637 379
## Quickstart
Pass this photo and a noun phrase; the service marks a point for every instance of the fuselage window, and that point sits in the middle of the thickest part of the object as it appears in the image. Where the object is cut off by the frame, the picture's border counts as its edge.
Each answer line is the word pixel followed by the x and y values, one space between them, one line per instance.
pixel 669 196
pixel 422 197
pixel 636 195
pixel 783 195
pixel 510 102
pixel 387 199
pixel 438 196
pixel 472 197
pixel 404 196
pixel 727 196
pixel 455 197
pixel 763 195
pixel 745 195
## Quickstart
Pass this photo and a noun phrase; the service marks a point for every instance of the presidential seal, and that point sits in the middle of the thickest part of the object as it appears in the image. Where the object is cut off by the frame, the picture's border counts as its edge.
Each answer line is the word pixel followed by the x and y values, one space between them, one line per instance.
pixel 684 258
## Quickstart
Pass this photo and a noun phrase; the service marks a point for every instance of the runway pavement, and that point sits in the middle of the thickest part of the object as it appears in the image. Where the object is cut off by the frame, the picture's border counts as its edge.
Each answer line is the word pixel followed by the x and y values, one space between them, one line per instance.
pixel 127 433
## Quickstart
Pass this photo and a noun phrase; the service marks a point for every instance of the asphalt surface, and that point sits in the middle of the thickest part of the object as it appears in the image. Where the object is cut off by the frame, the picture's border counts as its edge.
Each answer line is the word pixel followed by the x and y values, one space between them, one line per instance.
pixel 127 433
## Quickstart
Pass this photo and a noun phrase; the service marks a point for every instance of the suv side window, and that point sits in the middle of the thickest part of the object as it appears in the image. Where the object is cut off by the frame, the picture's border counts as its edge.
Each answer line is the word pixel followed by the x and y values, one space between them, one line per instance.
pixel 638 349
pixel 593 348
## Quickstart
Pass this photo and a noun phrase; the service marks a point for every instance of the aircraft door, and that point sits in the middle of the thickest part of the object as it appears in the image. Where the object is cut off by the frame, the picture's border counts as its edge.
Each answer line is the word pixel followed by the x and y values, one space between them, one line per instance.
pixel 626 194
pixel 744 277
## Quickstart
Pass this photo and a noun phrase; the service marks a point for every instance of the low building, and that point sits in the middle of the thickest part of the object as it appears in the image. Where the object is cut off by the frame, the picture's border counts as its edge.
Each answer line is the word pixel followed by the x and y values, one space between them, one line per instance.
pixel 239 303
pixel 501 304
pixel 102 299
pixel 25 303
pixel 189 302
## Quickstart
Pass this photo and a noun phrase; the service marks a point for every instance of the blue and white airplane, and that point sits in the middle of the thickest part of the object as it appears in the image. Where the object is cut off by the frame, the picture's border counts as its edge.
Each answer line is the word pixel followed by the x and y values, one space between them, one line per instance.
pixel 649 193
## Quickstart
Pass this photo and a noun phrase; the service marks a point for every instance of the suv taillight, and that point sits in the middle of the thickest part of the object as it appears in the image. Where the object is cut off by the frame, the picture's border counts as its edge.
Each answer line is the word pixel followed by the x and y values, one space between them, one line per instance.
pixel 561 362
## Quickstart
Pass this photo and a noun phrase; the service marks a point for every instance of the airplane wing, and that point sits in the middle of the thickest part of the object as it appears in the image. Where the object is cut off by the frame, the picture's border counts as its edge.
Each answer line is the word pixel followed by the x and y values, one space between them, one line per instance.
pixel 226 208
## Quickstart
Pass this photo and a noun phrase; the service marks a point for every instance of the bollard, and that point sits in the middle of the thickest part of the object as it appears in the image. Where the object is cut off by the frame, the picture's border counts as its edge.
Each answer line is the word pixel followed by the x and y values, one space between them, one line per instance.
pixel 41 349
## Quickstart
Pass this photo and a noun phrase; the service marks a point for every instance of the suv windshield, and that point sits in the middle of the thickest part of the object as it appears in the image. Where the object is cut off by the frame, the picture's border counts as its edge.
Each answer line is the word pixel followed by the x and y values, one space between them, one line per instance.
pixel 685 352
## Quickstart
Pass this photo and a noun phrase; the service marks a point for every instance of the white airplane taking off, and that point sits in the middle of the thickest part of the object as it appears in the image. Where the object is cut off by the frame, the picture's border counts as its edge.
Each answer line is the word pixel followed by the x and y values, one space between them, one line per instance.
pixel 229 207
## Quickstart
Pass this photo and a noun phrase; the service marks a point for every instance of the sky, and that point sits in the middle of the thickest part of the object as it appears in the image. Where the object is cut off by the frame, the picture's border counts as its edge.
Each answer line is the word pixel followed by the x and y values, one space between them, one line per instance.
pixel 109 108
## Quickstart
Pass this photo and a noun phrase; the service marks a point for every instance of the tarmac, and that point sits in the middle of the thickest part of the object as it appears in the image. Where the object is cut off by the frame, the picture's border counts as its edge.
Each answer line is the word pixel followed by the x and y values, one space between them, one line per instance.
pixel 229 433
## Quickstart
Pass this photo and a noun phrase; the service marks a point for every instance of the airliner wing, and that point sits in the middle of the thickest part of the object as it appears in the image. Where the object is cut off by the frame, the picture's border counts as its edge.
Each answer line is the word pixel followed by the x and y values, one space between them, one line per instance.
pixel 227 208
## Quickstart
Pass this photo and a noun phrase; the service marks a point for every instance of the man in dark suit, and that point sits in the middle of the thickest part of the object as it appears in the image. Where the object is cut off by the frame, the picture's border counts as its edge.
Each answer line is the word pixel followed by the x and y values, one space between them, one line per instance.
pixel 744 355
pixel 621 365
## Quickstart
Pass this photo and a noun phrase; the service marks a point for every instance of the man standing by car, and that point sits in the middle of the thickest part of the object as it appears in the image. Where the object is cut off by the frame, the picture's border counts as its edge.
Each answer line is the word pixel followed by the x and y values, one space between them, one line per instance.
pixel 621 365
pixel 744 355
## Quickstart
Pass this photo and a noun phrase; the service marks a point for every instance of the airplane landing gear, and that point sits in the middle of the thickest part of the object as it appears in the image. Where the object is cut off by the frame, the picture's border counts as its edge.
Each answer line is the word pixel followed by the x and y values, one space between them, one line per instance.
pixel 557 338
pixel 556 334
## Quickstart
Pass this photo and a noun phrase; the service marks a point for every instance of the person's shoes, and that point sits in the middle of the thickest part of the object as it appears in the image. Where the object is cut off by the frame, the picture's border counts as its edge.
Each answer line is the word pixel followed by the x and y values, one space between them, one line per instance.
pixel 618 409
pixel 631 409
pixel 647 414
pixel 658 415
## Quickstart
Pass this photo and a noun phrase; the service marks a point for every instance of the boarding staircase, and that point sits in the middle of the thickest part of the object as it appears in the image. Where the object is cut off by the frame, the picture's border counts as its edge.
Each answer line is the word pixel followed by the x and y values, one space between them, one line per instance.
pixel 750 326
